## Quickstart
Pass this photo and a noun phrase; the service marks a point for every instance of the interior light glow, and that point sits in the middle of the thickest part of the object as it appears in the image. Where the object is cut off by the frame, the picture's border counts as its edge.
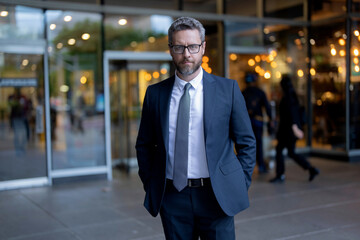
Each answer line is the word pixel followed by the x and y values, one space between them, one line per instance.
pixel 85 36
pixel 67 18
pixel 312 71
pixel 233 57
pixel 300 73
pixel 333 51
pixel 267 75
pixel 251 62
pixel 52 26
pixel 64 88
pixel 71 41
pixel 205 59
pixel 156 75
pixel 122 22
pixel 163 71
pixel 4 13
pixel 342 41
pixel 356 52
pixel 83 80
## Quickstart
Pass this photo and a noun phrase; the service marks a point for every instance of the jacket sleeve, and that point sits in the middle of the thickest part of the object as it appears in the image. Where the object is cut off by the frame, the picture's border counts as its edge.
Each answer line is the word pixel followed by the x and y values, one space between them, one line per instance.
pixel 242 134
pixel 144 140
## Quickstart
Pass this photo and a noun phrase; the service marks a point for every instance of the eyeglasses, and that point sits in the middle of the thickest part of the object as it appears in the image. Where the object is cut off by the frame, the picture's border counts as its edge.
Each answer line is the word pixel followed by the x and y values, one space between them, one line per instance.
pixel 193 48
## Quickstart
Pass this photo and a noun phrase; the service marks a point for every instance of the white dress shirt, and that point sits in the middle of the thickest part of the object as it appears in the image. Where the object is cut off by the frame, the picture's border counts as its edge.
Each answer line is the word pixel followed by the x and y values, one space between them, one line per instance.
pixel 197 163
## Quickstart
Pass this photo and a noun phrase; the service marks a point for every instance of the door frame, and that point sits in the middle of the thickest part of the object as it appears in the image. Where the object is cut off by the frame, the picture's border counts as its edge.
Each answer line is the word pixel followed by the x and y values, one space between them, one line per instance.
pixel 125 56
pixel 33 48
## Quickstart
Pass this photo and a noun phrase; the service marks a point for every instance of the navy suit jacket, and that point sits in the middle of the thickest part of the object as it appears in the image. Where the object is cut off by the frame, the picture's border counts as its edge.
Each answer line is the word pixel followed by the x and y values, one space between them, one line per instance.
pixel 226 123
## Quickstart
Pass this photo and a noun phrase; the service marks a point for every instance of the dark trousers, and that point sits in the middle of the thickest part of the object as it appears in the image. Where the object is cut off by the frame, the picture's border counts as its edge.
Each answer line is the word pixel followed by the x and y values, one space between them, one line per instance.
pixel 290 145
pixel 193 213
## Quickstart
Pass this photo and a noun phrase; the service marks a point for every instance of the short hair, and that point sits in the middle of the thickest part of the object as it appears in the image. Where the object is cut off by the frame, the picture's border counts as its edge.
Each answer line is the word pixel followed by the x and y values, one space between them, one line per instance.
pixel 186 23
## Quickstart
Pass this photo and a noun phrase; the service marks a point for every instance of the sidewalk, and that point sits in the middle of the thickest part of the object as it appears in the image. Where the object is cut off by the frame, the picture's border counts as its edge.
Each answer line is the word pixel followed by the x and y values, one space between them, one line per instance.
pixel 328 208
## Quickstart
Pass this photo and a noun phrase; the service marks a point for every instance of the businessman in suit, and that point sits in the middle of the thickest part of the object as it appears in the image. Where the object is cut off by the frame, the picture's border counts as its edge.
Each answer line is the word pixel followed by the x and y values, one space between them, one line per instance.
pixel 185 147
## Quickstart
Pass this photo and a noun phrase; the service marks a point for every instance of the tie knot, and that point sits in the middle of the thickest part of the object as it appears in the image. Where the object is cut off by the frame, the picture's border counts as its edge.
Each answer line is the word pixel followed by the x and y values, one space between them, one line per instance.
pixel 187 86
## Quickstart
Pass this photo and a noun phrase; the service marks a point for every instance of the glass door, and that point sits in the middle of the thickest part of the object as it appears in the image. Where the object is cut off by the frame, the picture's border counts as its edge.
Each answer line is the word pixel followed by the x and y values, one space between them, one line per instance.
pixel 22 118
pixel 128 81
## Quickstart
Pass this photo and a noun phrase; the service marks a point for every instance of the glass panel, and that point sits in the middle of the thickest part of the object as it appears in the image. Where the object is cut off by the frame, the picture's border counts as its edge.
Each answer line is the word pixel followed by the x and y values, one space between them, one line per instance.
pixel 22 128
pixel 293 9
pixel 128 83
pixel 285 54
pixel 355 6
pixel 137 33
pixel 328 85
pixel 208 6
pixel 156 4
pixel 20 22
pixel 355 87
pixel 243 8
pixel 324 9
pixel 243 34
pixel 76 89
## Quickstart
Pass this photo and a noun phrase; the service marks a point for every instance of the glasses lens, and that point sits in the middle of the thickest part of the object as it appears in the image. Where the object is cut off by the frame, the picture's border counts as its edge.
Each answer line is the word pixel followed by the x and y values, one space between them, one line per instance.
pixel 194 48
pixel 178 48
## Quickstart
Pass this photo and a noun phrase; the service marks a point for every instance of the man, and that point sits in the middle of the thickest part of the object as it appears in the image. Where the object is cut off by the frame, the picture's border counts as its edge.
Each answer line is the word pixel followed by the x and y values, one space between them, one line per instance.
pixel 185 151
pixel 256 101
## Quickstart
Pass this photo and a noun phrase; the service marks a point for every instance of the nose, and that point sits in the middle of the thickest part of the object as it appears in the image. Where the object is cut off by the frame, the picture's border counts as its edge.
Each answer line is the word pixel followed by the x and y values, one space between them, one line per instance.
pixel 186 52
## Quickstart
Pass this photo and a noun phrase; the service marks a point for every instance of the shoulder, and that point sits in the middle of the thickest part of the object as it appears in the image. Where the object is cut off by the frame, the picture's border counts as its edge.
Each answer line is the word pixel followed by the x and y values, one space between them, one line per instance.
pixel 167 83
pixel 219 80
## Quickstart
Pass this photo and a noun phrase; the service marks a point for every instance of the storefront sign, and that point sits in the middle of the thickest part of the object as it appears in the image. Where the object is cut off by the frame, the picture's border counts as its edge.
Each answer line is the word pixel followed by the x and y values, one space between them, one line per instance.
pixel 18 82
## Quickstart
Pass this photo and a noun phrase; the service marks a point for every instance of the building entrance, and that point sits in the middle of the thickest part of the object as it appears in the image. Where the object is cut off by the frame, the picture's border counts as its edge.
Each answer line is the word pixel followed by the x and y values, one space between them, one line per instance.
pixel 129 77
pixel 22 120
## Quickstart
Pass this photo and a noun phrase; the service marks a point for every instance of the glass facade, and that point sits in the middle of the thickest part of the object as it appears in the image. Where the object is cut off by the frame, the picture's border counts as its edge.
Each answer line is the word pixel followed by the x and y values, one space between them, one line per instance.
pixel 328 85
pixel 76 89
pixel 354 87
pixel 74 111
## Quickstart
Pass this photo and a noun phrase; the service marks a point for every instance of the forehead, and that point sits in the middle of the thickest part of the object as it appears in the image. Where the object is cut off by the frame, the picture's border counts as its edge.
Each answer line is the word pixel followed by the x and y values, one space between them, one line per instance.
pixel 187 36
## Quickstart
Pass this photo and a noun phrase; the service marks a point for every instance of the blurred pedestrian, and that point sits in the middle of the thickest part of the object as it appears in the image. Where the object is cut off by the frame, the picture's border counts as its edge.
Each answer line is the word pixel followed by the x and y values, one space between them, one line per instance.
pixel 289 131
pixel 256 102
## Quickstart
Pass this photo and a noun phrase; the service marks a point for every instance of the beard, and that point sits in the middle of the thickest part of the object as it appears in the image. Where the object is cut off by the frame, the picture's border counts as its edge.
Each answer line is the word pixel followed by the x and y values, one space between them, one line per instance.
pixel 187 70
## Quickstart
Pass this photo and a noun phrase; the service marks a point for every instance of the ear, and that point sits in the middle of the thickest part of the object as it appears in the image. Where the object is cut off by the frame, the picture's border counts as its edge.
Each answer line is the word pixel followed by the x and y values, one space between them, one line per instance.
pixel 203 48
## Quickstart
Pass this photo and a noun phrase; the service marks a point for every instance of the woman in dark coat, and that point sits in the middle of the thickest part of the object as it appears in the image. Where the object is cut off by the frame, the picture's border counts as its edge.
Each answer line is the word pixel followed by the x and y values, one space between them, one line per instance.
pixel 289 131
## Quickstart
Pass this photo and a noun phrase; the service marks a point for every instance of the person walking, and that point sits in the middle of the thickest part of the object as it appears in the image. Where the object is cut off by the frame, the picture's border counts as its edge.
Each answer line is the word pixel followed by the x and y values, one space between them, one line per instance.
pixel 185 146
pixel 256 102
pixel 289 130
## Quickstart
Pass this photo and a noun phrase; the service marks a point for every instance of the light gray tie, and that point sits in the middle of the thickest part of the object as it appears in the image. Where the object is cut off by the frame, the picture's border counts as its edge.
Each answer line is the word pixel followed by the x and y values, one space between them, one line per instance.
pixel 181 141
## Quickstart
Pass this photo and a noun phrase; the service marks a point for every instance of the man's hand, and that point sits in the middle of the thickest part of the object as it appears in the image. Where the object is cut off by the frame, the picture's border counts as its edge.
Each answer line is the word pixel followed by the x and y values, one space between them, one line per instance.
pixel 297 131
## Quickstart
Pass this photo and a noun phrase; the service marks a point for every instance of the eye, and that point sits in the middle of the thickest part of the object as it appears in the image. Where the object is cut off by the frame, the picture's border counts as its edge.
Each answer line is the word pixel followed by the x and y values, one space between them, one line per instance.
pixel 193 47
pixel 178 48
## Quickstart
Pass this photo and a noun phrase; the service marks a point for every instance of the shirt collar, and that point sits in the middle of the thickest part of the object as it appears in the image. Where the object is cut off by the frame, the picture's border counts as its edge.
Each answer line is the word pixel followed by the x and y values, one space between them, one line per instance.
pixel 179 83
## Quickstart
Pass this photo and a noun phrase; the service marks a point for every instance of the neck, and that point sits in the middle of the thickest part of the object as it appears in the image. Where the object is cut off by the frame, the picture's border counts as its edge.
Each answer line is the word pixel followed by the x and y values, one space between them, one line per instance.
pixel 190 77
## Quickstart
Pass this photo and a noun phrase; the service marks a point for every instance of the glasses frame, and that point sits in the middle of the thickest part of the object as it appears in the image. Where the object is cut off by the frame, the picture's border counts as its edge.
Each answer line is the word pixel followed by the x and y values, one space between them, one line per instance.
pixel 184 47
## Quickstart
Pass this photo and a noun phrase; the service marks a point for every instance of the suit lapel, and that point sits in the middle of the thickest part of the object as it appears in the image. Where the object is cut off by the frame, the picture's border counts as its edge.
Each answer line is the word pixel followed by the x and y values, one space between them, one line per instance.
pixel 164 109
pixel 209 100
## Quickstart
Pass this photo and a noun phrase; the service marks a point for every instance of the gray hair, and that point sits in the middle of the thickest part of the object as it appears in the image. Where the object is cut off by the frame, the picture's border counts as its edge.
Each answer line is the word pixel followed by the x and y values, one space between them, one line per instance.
pixel 186 23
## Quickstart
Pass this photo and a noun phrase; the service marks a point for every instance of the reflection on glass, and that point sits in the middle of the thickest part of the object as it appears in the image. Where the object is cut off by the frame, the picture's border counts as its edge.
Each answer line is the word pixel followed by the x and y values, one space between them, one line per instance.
pixel 76 90
pixel 243 34
pixel 22 129
pixel 328 86
pixel 284 55
pixel 284 9
pixel 355 87
pixel 20 22
pixel 137 33
pixel 128 84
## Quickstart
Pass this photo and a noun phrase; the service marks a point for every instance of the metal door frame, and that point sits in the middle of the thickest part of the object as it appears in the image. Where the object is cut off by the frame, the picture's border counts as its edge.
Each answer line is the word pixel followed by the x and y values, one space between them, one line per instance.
pixel 126 56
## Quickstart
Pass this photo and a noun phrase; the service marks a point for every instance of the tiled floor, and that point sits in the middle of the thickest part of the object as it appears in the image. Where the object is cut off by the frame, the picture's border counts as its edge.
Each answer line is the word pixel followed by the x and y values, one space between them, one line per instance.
pixel 328 208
